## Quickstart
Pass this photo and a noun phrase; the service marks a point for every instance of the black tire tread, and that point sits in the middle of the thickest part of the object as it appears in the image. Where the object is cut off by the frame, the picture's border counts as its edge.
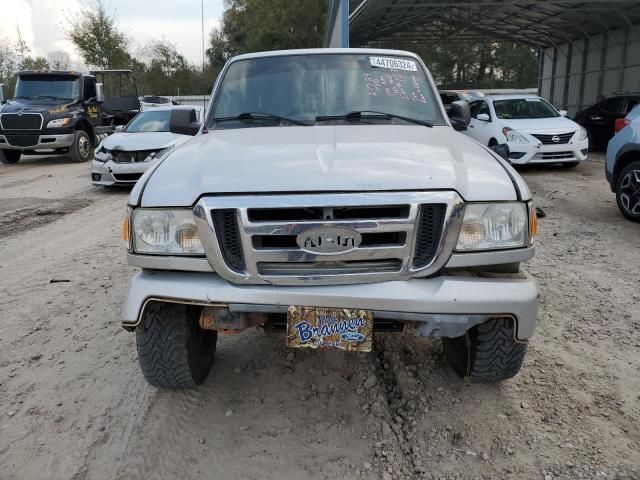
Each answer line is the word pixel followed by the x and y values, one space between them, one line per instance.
pixel 74 152
pixel 9 157
pixel 162 343
pixel 631 166
pixel 488 352
pixel 495 354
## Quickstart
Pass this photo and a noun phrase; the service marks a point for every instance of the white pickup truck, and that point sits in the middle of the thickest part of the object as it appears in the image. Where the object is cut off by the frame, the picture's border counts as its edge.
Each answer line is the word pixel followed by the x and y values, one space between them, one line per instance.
pixel 328 194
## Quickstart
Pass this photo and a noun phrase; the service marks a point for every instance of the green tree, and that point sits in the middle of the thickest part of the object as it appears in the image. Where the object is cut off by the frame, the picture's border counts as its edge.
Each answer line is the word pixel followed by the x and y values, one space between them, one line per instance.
pixel 95 34
pixel 256 25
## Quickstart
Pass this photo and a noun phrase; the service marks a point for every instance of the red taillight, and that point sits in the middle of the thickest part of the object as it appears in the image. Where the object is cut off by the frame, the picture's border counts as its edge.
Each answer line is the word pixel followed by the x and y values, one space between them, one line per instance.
pixel 621 123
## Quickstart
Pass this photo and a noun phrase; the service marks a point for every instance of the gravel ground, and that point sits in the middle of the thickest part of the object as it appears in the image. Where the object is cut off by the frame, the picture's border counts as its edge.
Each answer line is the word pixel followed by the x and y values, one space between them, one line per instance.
pixel 73 404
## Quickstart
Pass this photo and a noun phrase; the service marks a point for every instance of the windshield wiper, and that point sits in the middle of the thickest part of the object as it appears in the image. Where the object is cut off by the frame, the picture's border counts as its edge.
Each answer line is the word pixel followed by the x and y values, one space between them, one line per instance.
pixel 261 116
pixel 363 114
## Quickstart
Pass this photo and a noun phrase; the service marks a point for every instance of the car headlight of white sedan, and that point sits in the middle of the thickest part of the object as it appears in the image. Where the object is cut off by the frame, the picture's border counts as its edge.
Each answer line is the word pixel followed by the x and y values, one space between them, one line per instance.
pixel 493 226
pixel 164 232
pixel 582 134
pixel 514 136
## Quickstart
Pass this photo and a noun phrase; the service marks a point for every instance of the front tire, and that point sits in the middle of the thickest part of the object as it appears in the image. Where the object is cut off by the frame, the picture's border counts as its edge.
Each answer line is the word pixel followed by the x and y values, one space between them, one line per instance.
pixel 628 191
pixel 173 351
pixel 10 156
pixel 486 353
pixel 81 151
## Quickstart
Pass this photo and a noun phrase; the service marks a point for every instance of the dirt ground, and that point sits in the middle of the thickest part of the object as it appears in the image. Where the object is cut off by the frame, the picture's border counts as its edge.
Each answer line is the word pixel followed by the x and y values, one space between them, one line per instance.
pixel 74 405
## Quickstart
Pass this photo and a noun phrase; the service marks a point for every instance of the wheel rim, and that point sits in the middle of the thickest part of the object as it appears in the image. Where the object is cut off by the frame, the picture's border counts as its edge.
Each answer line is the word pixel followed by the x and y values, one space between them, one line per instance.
pixel 83 146
pixel 630 192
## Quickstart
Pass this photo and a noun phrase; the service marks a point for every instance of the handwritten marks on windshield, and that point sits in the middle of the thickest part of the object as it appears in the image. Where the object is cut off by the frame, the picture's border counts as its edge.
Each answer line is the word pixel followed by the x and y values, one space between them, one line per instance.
pixel 394 84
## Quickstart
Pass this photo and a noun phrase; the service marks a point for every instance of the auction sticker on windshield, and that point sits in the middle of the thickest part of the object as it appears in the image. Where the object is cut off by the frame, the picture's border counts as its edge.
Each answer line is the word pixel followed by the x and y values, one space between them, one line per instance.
pixel 338 328
pixel 393 63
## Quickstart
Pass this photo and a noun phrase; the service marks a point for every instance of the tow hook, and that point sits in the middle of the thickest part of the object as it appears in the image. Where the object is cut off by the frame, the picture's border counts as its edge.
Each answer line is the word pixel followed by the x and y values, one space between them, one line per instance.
pixel 227 322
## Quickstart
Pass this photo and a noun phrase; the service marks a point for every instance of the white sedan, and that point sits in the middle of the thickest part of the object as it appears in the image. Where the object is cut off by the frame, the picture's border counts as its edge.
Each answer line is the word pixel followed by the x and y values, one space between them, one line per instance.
pixel 533 129
pixel 123 157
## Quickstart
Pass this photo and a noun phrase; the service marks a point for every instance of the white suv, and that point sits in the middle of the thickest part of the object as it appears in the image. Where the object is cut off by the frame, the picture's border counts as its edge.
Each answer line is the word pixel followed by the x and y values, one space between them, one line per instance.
pixel 533 129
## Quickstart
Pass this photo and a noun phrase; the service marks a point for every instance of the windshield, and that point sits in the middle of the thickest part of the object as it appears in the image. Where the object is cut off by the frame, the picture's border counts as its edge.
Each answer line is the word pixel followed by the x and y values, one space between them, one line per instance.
pixel 523 108
pixel 150 121
pixel 303 87
pixel 48 87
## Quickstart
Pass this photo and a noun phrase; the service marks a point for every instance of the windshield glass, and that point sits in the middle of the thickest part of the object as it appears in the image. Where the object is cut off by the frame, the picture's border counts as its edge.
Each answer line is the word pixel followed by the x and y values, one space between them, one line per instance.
pixel 150 121
pixel 303 87
pixel 48 87
pixel 522 108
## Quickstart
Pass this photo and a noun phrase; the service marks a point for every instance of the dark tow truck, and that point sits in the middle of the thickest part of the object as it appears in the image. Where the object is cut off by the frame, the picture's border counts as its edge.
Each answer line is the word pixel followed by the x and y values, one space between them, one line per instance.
pixel 64 112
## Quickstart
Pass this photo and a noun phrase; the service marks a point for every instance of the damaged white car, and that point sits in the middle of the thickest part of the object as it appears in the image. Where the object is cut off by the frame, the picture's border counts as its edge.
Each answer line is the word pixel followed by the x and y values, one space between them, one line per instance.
pixel 123 157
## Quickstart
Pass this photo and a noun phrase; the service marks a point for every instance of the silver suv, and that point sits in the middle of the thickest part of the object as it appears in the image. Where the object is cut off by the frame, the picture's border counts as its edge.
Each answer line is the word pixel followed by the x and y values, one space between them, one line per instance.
pixel 327 194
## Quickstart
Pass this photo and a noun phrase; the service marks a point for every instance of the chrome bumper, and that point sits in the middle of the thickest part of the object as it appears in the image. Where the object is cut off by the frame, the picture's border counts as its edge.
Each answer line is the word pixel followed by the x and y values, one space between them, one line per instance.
pixel 439 306
pixel 45 142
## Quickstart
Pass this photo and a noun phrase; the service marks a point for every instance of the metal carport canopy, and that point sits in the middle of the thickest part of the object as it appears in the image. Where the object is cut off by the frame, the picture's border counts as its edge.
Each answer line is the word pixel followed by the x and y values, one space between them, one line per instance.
pixel 540 23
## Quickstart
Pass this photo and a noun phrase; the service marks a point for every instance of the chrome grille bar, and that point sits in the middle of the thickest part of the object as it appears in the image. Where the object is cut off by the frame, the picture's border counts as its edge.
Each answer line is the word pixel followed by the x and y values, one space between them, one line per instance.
pixel 294 266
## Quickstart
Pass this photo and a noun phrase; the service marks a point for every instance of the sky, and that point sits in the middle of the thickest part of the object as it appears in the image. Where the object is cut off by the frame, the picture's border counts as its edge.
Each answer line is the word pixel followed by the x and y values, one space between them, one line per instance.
pixel 42 23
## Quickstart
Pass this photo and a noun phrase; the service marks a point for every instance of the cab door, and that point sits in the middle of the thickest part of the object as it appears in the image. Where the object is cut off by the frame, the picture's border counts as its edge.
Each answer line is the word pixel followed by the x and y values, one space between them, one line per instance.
pixel 92 108
pixel 481 129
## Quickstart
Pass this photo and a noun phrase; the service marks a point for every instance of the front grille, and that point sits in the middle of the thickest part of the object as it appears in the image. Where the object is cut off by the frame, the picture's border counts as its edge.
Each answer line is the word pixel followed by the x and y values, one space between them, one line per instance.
pixel 225 224
pixel 130 157
pixel 332 238
pixel 553 156
pixel 127 177
pixel 328 268
pixel 328 213
pixel 429 228
pixel 547 139
pixel 22 140
pixel 24 121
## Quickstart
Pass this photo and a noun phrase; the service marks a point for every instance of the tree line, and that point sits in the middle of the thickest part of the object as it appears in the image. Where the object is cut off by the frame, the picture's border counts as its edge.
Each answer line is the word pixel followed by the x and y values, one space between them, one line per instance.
pixel 251 26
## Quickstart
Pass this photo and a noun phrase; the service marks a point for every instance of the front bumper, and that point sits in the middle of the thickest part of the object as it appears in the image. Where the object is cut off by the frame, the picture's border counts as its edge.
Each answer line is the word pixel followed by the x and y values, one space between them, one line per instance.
pixel 446 305
pixel 110 173
pixel 574 151
pixel 40 142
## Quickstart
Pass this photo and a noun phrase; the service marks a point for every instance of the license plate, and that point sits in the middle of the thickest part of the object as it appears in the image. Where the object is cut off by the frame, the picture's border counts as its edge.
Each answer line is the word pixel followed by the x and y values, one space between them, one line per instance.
pixel 341 328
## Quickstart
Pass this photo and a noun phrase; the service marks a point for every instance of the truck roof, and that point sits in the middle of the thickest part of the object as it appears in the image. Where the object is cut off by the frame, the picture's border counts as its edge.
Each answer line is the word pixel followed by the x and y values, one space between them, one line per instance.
pixel 51 72
pixel 325 51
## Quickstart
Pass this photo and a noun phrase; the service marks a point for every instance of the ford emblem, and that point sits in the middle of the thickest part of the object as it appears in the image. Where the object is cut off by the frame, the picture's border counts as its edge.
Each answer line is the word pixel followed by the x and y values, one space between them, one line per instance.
pixel 329 240
pixel 555 139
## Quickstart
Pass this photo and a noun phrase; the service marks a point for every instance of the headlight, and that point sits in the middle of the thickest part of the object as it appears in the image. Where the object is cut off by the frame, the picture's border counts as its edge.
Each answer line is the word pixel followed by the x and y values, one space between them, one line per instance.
pixel 168 232
pixel 583 135
pixel 491 226
pixel 102 154
pixel 59 122
pixel 514 136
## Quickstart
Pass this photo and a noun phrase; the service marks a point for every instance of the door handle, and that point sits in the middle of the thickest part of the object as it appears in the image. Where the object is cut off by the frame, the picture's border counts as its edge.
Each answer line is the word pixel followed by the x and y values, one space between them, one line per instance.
pixel 596 117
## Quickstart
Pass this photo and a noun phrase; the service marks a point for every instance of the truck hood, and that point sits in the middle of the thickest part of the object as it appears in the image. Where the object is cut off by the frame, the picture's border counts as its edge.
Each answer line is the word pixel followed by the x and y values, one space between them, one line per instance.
pixel 542 125
pixel 131 142
pixel 37 106
pixel 345 158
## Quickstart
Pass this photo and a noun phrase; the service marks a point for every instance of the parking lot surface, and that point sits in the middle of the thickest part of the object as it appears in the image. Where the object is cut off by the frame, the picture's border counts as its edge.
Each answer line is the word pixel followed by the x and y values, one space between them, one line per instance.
pixel 74 405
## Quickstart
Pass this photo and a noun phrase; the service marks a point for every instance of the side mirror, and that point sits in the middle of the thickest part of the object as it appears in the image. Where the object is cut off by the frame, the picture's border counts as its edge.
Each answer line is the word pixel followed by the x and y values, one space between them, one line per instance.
pixel 183 122
pixel 3 93
pixel 99 92
pixel 118 128
pixel 484 117
pixel 563 113
pixel 502 149
pixel 460 115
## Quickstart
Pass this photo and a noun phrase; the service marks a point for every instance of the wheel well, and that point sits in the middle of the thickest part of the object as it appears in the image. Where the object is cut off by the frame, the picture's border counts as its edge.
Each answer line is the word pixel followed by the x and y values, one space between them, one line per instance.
pixel 86 126
pixel 624 160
